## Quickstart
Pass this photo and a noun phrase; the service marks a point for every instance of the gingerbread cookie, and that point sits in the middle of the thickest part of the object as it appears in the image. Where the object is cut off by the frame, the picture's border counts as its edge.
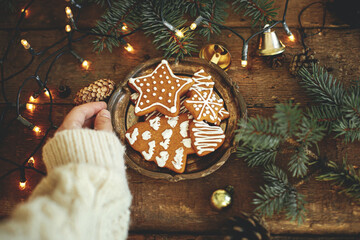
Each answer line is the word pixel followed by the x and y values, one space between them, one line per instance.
pixel 223 114
pixel 161 90
pixel 202 81
pixel 164 140
pixel 205 138
pixel 183 109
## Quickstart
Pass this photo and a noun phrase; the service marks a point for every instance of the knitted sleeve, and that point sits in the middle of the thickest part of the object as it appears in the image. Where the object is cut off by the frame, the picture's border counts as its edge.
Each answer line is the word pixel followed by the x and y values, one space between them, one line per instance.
pixel 84 196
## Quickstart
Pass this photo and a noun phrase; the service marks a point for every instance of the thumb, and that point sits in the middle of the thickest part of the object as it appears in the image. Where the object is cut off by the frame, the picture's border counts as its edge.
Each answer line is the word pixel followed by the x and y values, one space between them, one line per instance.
pixel 103 121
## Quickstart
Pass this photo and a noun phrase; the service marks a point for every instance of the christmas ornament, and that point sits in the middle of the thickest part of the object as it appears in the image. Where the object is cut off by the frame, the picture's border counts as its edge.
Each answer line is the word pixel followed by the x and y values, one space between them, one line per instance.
pixel 270 44
pixel 275 61
pixel 217 54
pixel 222 198
pixel 99 90
pixel 305 58
pixel 246 227
pixel 64 91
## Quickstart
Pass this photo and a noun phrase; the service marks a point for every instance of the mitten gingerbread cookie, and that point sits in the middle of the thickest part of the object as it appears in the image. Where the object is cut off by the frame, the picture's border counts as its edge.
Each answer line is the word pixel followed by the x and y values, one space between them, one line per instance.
pixel 161 90
pixel 205 138
pixel 164 140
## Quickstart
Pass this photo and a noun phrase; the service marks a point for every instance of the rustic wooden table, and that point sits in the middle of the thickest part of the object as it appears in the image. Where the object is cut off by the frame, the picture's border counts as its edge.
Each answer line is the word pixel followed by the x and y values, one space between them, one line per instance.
pixel 163 210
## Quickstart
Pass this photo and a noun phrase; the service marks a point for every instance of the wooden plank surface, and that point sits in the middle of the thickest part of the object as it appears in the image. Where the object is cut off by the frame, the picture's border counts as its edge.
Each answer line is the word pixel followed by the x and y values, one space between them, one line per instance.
pixel 159 206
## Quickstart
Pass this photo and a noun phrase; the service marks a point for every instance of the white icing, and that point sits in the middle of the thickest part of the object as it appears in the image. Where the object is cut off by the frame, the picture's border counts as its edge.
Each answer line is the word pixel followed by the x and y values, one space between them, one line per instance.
pixel 166 136
pixel 179 154
pixel 133 137
pixel 186 142
pixel 161 160
pixel 184 128
pixel 173 109
pixel 150 153
pixel 207 137
pixel 137 109
pixel 201 82
pixel 155 123
pixel 146 135
pixel 172 121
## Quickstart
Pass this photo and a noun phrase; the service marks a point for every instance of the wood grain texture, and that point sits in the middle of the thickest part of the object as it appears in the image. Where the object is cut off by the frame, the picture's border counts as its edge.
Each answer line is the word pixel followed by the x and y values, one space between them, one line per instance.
pixel 175 208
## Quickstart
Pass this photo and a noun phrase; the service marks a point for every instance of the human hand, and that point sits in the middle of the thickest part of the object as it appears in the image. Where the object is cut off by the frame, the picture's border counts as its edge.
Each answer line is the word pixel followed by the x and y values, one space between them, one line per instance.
pixel 89 115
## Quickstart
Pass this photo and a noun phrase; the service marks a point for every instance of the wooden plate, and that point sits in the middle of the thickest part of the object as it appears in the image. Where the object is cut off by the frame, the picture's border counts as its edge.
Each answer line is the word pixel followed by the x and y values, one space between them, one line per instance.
pixel 123 117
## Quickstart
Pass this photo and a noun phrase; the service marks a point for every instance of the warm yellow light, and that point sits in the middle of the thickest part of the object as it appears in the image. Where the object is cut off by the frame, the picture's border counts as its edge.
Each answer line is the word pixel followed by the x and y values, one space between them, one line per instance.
pixel 67 28
pixel 68 12
pixel 31 162
pixel 26 12
pixel 193 26
pixel 128 47
pixel 47 93
pixel 124 27
pixel 85 64
pixel 22 185
pixel 30 107
pixel 32 99
pixel 292 38
pixel 25 44
pixel 36 129
pixel 179 33
pixel 243 63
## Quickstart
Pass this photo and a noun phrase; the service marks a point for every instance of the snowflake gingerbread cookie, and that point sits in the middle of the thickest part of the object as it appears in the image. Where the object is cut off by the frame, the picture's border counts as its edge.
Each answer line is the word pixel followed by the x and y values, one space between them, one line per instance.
pixel 161 90
pixel 164 140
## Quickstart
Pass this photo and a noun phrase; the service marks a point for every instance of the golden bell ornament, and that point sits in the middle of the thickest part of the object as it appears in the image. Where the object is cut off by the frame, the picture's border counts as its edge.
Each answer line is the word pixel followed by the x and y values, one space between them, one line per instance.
pixel 270 44
pixel 217 54
pixel 222 198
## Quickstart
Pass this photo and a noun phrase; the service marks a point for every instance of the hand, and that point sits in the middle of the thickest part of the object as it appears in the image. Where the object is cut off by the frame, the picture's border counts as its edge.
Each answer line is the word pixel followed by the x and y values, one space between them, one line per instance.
pixel 89 115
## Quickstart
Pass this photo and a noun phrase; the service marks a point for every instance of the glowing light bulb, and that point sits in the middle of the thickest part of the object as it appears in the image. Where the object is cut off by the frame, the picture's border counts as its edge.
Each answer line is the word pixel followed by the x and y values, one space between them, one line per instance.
pixel 32 99
pixel 193 26
pixel 25 44
pixel 179 33
pixel 124 27
pixel 36 129
pixel 243 63
pixel 30 107
pixel 128 47
pixel 26 12
pixel 31 162
pixel 68 28
pixel 47 93
pixel 85 64
pixel 292 38
pixel 22 185
pixel 68 12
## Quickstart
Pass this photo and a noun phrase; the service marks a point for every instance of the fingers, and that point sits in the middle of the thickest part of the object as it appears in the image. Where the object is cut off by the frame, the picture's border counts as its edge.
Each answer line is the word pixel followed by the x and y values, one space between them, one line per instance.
pixel 103 121
pixel 80 115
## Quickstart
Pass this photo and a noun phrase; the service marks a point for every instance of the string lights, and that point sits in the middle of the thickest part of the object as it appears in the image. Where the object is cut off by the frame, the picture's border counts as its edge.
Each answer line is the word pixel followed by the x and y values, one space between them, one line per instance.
pixel 29 163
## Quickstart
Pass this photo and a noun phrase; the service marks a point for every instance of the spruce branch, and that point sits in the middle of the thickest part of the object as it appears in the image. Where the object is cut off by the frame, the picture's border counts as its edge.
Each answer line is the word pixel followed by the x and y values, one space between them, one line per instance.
pixel 261 11
pixel 349 129
pixel 257 157
pixel 325 115
pixel 344 176
pixel 287 118
pixel 299 162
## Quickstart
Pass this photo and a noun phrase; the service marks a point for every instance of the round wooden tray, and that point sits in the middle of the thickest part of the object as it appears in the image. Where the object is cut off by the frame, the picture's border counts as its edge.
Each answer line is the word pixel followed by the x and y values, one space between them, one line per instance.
pixel 123 117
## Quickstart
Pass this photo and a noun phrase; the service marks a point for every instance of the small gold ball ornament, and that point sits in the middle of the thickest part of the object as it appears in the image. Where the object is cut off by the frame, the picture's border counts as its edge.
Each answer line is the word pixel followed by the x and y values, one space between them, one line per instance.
pixel 222 198
pixel 216 54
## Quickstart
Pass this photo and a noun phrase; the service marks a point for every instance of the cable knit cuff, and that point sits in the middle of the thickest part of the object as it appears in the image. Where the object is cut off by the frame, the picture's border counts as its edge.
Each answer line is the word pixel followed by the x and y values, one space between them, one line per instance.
pixel 83 146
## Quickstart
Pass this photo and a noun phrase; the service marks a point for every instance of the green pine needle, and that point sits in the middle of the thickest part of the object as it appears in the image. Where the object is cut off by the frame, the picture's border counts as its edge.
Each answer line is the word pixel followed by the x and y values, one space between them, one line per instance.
pixel 299 162
pixel 287 118
pixel 257 157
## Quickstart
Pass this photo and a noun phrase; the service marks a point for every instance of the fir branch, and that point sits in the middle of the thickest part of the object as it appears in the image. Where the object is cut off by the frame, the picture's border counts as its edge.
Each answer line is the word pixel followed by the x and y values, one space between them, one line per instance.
pixel 344 176
pixel 349 129
pixel 351 108
pixel 261 11
pixel 287 118
pixel 325 115
pixel 257 157
pixel 278 195
pixel 322 86
pixel 163 37
pixel 309 132
pixel 259 133
pixel 299 162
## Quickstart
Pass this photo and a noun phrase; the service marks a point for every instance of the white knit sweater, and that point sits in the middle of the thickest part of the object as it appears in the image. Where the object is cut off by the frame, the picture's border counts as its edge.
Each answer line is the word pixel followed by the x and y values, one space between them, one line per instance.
pixel 84 196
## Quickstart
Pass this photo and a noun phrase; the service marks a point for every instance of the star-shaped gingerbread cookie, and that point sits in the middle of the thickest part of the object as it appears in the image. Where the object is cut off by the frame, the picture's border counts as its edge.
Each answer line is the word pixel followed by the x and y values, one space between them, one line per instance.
pixel 161 90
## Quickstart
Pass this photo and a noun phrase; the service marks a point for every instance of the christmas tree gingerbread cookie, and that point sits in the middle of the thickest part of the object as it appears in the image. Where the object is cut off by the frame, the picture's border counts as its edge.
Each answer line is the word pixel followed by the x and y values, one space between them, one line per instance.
pixel 161 90
pixel 164 140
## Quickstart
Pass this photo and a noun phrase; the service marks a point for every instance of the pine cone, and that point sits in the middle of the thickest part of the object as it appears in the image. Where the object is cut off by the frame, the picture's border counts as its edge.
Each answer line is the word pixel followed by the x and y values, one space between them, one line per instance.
pixel 99 90
pixel 275 61
pixel 306 58
pixel 247 227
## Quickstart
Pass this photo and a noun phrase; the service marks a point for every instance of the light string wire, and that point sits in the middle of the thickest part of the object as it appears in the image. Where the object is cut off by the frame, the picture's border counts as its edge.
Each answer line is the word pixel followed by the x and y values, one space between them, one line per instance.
pixel 52 58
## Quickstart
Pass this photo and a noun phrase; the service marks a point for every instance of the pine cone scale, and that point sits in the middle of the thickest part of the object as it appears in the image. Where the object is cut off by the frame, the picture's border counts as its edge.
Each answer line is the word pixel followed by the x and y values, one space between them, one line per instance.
pixel 99 90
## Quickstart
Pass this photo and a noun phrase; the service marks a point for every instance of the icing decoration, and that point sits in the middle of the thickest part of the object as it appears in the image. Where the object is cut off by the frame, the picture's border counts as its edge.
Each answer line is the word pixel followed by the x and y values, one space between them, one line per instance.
pixel 172 88
pixel 150 153
pixel 132 138
pixel 206 138
pixel 183 109
pixel 178 158
pixel 184 128
pixel 146 135
pixel 166 135
pixel 161 161
pixel 186 142
pixel 202 81
pixel 172 121
pixel 155 123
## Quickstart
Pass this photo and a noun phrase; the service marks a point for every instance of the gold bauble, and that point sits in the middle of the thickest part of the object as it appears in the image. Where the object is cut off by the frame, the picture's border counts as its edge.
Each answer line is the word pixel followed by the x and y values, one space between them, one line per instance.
pixel 222 198
pixel 217 54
